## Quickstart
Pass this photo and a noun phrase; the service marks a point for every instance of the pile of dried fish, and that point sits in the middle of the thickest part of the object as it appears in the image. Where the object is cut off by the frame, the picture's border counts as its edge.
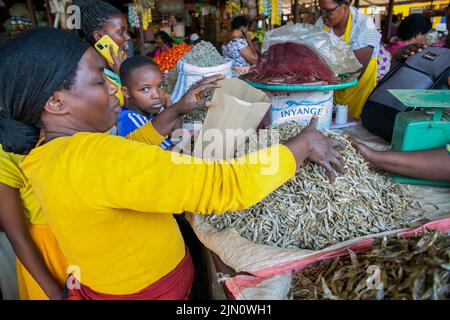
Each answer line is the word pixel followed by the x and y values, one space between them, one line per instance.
pixel 198 115
pixel 204 55
pixel 170 80
pixel 415 268
pixel 310 213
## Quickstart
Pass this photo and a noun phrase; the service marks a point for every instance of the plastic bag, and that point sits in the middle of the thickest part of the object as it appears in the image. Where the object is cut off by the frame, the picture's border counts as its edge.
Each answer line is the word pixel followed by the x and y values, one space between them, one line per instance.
pixel 336 53
pixel 190 74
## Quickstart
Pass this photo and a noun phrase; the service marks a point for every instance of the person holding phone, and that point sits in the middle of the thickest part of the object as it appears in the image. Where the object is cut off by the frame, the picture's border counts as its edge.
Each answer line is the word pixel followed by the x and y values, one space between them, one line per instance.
pixel 110 201
pixel 239 48
pixel 99 18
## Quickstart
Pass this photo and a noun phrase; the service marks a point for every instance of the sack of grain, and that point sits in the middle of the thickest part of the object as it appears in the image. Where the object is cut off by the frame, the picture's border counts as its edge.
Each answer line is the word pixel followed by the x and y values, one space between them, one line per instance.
pixel 202 61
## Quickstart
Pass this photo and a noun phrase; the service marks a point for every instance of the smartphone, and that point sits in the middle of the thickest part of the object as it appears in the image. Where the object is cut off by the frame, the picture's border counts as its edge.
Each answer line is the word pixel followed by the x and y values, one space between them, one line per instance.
pixel 103 46
pixel 114 78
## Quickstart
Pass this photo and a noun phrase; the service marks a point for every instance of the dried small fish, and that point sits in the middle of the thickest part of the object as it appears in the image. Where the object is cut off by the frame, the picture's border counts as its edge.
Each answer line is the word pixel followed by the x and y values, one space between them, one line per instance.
pixel 204 55
pixel 198 115
pixel 392 269
pixel 310 213
pixel 170 80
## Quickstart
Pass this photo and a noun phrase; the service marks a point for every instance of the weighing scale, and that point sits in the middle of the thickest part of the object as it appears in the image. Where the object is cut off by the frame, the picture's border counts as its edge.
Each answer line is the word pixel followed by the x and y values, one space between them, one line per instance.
pixel 424 129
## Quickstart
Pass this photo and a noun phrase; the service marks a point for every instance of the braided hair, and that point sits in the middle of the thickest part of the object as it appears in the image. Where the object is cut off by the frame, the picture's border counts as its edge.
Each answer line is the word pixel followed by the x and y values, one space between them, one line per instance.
pixel 94 15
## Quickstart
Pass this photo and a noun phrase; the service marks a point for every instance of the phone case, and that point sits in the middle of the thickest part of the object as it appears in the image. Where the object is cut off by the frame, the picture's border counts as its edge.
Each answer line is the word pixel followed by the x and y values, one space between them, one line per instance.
pixel 103 46
pixel 114 78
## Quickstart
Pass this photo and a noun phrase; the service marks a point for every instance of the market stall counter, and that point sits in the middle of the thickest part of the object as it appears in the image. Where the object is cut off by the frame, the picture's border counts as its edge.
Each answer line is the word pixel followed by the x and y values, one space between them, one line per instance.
pixel 434 201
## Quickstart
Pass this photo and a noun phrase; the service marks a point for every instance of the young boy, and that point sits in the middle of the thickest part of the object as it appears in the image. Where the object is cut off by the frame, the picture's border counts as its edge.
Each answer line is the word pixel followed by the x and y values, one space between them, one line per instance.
pixel 144 97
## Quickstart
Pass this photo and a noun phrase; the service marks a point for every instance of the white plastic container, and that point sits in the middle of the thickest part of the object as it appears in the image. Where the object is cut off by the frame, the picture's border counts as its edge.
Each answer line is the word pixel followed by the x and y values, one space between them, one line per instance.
pixel 341 114
pixel 179 30
pixel 167 30
pixel 301 106
pixel 189 74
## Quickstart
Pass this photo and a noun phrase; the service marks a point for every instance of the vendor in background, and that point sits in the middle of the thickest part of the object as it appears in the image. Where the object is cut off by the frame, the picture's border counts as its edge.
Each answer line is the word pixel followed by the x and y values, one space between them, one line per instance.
pixel 358 30
pixel 412 30
pixel 411 49
pixel 194 39
pixel 164 42
pixel 239 47
pixel 99 18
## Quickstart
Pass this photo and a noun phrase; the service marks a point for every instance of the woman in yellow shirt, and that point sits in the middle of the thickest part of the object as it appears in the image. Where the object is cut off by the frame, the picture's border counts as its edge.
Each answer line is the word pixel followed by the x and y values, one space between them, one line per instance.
pixel 29 234
pixel 110 201
pixel 360 32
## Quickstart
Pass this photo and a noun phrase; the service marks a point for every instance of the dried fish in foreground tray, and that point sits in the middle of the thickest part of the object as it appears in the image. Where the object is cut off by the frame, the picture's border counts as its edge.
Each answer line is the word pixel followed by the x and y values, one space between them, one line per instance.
pixel 415 268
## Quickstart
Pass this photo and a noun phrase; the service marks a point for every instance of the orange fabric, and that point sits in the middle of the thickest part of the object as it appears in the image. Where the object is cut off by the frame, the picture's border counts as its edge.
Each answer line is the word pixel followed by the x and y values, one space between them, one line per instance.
pixel 54 259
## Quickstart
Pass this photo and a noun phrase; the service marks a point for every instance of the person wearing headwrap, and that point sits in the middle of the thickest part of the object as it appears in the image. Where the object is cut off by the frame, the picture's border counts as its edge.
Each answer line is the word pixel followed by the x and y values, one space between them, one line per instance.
pixel 110 201
pixel 41 266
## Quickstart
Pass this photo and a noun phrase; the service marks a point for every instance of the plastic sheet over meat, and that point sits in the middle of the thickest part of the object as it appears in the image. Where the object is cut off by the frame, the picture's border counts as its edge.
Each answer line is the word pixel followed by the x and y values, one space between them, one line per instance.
pixel 337 53
pixel 291 63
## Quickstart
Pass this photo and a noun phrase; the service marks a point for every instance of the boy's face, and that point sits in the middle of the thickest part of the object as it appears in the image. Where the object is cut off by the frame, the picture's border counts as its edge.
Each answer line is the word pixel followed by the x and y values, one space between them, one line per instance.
pixel 144 89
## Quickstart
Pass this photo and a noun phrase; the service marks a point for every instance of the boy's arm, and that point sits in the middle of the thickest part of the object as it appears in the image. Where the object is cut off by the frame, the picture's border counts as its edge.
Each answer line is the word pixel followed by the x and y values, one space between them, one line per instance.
pixel 147 134
pixel 162 125
pixel 13 222
pixel 427 164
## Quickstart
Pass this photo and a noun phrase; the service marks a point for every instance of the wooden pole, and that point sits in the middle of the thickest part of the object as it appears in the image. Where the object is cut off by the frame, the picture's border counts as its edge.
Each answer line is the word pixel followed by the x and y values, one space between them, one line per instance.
pixel 49 13
pixel 218 22
pixel 32 12
pixel 141 36
pixel 297 17
pixel 387 32
pixel 357 3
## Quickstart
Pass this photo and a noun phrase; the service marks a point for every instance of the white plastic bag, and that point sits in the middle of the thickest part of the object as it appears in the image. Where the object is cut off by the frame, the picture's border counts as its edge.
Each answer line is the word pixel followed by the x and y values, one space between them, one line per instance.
pixel 189 74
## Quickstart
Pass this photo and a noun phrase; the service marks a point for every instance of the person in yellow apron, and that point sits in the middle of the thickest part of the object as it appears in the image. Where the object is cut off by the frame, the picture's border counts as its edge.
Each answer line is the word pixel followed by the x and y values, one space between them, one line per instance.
pixel 358 30
pixel 41 265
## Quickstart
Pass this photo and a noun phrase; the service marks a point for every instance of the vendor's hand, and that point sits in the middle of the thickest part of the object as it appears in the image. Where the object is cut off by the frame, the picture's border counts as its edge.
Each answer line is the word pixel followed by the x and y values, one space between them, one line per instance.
pixel 117 59
pixel 316 147
pixel 408 51
pixel 194 98
pixel 369 154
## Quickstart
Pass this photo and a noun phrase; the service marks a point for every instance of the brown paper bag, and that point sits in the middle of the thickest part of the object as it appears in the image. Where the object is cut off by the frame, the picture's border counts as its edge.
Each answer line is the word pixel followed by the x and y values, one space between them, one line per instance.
pixel 236 108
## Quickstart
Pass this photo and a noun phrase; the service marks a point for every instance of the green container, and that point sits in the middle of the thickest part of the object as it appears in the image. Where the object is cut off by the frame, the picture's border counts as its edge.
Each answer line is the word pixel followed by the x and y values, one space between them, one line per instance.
pixel 179 40
pixel 422 130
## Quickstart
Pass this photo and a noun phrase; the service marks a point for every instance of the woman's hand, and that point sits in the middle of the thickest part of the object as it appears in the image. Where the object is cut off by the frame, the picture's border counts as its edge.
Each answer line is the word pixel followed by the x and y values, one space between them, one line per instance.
pixel 372 156
pixel 311 144
pixel 364 150
pixel 117 59
pixel 194 98
pixel 168 119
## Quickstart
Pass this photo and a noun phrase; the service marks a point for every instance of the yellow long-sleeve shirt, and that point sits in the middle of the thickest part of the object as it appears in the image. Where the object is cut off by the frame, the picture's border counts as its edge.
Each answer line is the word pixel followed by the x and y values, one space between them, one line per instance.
pixel 109 202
